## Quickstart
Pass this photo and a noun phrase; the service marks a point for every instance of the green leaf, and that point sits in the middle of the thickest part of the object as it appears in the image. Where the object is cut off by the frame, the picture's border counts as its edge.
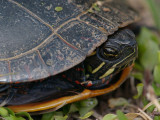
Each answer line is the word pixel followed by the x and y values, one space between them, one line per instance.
pixel 145 102
pixel 11 117
pixel 47 116
pixel 110 117
pixel 24 114
pixel 10 111
pixel 158 57
pixel 121 115
pixel 87 115
pixel 157 118
pixel 86 105
pixel 88 102
pixel 73 108
pixel 90 11
pixel 156 88
pixel 54 116
pixel 3 112
pixel 156 73
pixel 139 90
pixel 137 75
pixel 58 9
pixel 138 66
pixel 148 48
pixel 95 6
pixel 66 108
pixel 155 12
pixel 60 117
pixel 114 102
pixel 58 113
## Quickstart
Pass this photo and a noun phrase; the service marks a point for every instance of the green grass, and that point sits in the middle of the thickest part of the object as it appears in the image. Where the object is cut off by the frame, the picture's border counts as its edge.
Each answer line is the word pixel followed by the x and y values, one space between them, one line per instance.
pixel 155 10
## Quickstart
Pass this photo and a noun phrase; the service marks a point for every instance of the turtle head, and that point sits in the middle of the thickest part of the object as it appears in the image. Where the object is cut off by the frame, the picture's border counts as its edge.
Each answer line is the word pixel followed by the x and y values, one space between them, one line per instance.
pixel 117 53
pixel 120 49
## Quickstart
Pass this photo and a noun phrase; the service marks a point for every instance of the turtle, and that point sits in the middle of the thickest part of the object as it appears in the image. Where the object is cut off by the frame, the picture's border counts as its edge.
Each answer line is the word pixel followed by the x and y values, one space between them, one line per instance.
pixel 63 51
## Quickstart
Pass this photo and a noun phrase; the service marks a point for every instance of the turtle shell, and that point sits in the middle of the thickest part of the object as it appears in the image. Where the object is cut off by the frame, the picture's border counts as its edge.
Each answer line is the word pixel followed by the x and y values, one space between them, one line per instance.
pixel 38 40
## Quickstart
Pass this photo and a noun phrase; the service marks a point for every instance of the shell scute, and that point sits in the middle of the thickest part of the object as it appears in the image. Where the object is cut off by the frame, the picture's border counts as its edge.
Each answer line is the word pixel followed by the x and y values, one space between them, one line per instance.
pixel 83 36
pixel 58 56
pixel 27 68
pixel 19 31
pixel 45 9
pixel 5 71
pixel 97 21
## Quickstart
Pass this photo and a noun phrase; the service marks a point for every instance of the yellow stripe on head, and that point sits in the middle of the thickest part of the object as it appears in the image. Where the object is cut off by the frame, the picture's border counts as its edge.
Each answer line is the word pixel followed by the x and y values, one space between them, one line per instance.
pixel 114 66
pixel 107 73
pixel 96 69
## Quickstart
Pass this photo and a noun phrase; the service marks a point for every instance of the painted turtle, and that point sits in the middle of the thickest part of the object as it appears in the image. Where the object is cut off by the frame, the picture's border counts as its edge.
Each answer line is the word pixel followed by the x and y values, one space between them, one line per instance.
pixel 60 49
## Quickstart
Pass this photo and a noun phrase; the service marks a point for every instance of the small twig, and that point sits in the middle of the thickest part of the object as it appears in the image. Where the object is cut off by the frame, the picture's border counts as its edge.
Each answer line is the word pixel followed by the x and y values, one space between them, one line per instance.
pixel 149 104
pixel 132 116
pixel 141 112
pixel 147 116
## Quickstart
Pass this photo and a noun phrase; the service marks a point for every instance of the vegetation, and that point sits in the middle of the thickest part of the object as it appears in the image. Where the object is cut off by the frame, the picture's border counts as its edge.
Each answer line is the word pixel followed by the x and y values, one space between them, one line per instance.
pixel 146 75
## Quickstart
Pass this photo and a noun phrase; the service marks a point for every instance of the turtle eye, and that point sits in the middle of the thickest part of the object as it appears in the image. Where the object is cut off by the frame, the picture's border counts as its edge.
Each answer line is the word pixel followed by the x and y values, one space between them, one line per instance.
pixel 110 52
